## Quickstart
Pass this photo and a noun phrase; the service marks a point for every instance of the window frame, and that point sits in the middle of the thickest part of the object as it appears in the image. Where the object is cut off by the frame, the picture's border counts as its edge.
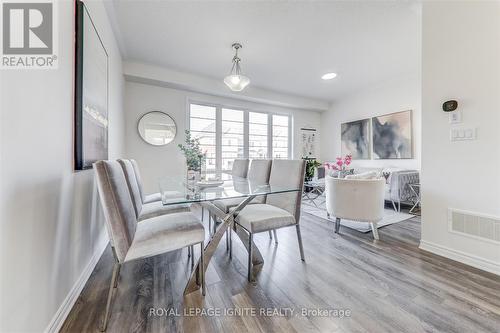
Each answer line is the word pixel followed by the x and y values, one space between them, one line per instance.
pixel 246 142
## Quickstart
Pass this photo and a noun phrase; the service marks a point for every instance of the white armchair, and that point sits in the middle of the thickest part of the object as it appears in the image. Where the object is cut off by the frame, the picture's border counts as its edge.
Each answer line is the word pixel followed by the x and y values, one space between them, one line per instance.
pixel 355 199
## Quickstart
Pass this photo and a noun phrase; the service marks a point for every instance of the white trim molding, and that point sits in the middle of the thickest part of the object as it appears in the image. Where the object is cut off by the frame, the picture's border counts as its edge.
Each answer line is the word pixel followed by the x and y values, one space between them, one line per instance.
pixel 462 257
pixel 70 300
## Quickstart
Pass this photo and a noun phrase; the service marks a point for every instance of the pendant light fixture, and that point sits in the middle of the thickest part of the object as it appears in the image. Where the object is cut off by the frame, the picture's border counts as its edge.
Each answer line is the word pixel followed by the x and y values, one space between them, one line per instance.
pixel 235 80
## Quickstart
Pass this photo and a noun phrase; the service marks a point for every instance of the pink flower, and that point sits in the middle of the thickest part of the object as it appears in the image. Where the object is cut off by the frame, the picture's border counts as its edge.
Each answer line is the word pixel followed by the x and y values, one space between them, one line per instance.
pixel 327 165
pixel 340 163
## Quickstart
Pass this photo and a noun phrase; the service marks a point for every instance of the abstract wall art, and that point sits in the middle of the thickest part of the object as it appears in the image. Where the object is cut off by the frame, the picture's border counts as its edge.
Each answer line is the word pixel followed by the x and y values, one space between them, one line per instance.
pixel 355 139
pixel 392 136
pixel 91 92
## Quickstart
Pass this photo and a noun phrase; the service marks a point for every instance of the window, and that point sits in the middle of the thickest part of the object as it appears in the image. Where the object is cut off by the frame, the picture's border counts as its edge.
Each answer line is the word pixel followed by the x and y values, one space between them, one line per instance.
pixel 227 134
pixel 232 137
pixel 257 135
pixel 202 124
pixel 280 137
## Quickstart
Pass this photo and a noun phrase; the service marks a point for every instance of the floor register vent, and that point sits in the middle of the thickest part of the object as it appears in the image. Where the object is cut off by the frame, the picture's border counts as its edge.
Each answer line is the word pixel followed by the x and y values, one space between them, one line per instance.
pixel 474 224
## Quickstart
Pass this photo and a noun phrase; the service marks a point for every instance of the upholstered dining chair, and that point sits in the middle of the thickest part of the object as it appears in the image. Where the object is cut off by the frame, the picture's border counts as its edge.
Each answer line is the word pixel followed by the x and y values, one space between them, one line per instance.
pixel 280 210
pixel 144 197
pixel 146 210
pixel 360 200
pixel 133 241
pixel 258 173
pixel 239 170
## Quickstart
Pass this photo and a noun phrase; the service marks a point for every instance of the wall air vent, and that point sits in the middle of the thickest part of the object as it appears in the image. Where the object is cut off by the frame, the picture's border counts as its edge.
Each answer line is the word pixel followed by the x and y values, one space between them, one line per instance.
pixel 474 224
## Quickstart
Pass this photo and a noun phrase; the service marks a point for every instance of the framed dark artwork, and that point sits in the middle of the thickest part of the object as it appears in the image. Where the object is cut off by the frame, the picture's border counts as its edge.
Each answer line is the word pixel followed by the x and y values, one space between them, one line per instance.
pixel 91 92
pixel 355 139
pixel 392 136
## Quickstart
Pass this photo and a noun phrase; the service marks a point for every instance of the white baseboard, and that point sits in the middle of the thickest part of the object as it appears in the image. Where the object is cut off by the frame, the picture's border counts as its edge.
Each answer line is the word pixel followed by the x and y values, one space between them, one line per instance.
pixel 70 300
pixel 462 257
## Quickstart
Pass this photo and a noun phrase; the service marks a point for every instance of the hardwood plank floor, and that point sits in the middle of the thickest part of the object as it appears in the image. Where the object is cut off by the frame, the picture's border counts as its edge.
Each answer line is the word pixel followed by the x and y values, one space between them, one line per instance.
pixel 388 286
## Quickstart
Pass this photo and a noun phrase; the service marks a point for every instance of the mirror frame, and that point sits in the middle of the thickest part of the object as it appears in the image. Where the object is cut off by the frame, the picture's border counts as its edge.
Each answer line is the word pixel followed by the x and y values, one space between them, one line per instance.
pixel 149 143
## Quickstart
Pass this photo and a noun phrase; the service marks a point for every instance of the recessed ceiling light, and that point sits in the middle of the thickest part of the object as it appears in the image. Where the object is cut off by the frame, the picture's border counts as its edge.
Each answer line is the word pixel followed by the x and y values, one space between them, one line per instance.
pixel 329 76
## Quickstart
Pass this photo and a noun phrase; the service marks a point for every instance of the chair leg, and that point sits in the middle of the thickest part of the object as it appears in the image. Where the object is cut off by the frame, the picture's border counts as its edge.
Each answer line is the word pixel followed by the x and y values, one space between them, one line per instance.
pixel 209 225
pixel 275 236
pixel 112 287
pixel 301 248
pixel 202 268
pixel 202 213
pixel 270 235
pixel 374 230
pixel 399 206
pixel 250 245
pixel 230 233
pixel 189 252
pixel 227 240
pixel 214 223
pixel 337 225
pixel 192 255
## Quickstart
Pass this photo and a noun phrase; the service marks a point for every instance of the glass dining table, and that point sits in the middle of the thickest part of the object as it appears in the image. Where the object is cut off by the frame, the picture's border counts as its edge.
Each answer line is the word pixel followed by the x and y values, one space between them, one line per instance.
pixel 175 190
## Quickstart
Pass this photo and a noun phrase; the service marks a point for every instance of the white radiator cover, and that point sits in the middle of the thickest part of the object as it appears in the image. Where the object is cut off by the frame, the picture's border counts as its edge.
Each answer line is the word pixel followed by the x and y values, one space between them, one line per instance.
pixel 476 225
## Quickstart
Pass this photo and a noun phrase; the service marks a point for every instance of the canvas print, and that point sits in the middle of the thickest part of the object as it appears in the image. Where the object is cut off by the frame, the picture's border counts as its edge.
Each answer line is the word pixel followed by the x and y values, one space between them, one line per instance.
pixel 392 136
pixel 355 139
pixel 91 93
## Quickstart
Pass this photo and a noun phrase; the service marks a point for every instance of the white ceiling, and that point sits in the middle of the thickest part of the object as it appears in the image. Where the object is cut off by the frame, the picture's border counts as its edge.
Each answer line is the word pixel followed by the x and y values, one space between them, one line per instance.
pixel 287 46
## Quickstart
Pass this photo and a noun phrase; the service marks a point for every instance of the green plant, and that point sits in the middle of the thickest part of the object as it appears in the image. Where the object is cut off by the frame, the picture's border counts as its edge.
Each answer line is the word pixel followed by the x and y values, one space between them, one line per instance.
pixel 311 165
pixel 192 152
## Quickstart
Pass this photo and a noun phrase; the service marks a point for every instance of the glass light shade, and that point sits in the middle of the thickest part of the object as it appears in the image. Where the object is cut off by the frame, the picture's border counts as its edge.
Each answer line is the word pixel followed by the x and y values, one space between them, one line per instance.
pixel 236 82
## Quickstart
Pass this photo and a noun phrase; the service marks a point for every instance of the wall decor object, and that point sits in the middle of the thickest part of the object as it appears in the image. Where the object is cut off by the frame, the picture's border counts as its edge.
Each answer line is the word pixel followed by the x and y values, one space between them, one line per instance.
pixel 450 106
pixel 392 136
pixel 355 139
pixel 91 92
pixel 308 140
pixel 157 128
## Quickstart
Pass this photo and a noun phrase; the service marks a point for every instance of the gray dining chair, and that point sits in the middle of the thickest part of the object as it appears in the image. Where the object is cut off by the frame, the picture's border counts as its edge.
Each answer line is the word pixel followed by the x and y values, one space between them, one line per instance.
pixel 239 170
pixel 258 173
pixel 146 210
pixel 133 241
pixel 280 210
pixel 146 198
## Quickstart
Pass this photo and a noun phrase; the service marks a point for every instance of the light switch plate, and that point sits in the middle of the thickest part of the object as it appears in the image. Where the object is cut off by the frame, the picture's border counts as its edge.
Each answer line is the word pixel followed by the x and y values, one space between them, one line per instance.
pixel 455 117
pixel 462 134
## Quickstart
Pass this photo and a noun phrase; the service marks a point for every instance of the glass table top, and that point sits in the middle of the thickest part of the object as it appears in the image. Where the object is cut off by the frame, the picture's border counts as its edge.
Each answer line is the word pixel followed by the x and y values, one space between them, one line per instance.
pixel 175 190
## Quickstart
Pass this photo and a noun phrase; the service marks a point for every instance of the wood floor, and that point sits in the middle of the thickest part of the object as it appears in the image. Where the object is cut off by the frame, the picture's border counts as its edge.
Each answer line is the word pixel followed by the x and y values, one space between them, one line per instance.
pixel 388 286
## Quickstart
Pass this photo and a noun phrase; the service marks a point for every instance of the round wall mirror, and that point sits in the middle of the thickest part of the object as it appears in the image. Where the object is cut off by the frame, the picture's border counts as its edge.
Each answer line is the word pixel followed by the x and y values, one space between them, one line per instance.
pixel 157 128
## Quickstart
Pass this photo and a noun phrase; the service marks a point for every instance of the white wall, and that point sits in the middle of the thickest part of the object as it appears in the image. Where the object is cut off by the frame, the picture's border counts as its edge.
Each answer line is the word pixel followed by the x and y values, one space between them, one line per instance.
pixel 51 223
pixel 391 96
pixel 157 162
pixel 461 60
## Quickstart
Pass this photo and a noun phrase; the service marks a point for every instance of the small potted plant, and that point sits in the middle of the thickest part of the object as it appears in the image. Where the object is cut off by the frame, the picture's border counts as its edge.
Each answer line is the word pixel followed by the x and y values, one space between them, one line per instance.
pixel 340 165
pixel 195 157
pixel 311 165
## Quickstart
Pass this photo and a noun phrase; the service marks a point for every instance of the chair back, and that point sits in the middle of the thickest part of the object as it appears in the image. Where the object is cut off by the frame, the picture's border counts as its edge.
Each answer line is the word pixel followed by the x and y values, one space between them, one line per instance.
pixel 259 171
pixel 355 199
pixel 258 174
pixel 137 172
pixel 132 184
pixel 117 205
pixel 287 173
pixel 240 168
